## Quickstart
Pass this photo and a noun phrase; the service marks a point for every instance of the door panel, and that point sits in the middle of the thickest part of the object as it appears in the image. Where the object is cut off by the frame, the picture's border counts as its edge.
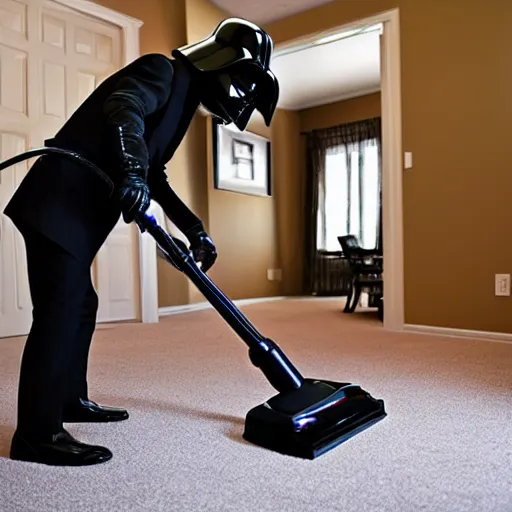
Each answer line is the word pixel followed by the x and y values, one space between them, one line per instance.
pixel 13 80
pixel 16 107
pixel 15 303
pixel 51 59
pixel 116 272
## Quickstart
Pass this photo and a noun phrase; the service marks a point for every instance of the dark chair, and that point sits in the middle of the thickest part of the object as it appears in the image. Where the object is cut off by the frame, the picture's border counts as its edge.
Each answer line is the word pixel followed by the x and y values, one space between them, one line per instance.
pixel 366 274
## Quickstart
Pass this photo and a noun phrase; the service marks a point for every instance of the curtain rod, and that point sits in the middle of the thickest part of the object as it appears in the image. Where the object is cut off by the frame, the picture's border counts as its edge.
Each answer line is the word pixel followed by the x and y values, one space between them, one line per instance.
pixel 366 119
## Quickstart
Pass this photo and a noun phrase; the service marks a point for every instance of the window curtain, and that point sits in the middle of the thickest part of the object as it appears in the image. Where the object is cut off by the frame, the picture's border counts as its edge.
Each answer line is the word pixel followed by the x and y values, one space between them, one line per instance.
pixel 338 157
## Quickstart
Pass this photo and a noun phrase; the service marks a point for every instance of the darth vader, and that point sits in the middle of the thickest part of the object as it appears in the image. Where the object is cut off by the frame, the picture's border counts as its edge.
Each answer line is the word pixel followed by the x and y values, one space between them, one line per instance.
pixel 130 126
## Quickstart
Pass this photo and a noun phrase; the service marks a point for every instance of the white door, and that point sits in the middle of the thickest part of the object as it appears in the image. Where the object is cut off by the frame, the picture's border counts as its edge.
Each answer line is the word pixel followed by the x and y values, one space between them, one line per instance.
pixel 51 58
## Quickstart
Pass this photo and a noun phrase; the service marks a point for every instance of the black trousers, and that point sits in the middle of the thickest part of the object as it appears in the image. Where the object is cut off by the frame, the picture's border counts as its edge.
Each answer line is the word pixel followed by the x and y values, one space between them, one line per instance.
pixel 54 365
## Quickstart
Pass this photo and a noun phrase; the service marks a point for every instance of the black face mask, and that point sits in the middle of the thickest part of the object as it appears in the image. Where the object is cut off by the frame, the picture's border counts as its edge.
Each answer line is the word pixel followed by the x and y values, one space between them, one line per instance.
pixel 232 95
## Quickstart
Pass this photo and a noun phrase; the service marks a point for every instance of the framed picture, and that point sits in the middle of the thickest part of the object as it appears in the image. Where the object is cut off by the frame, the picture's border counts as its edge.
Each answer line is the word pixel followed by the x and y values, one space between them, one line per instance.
pixel 241 161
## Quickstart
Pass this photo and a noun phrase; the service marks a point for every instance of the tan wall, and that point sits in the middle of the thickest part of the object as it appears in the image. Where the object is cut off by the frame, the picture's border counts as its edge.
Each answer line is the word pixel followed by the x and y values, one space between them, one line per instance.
pixel 347 111
pixel 243 228
pixel 456 118
pixel 202 18
pixel 289 171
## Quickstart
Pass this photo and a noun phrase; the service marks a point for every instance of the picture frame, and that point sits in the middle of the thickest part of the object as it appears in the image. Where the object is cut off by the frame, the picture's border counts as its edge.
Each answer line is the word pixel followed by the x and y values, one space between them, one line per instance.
pixel 241 161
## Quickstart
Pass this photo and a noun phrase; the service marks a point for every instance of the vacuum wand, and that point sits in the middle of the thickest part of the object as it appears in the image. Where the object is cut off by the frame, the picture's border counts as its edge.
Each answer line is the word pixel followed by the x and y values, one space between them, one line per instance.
pixel 263 352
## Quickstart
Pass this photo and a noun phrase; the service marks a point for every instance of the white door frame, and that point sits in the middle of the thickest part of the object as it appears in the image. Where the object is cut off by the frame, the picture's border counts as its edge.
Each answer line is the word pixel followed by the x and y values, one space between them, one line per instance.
pixel 148 269
pixel 392 215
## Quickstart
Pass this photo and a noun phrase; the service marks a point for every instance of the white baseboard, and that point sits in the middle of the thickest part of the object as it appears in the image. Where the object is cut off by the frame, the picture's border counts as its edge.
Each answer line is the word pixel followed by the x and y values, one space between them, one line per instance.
pixel 497 337
pixel 188 308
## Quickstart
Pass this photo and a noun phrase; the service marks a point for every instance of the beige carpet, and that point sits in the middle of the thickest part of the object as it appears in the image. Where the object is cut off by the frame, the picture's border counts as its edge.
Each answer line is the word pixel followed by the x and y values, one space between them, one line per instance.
pixel 446 445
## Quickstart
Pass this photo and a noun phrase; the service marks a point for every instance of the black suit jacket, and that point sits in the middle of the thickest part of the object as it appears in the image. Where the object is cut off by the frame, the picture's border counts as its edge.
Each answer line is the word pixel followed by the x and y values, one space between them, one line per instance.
pixel 69 203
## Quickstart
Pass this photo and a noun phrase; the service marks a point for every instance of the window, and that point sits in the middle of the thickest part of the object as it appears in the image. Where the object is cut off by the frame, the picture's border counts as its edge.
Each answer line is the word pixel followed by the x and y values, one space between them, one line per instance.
pixel 349 201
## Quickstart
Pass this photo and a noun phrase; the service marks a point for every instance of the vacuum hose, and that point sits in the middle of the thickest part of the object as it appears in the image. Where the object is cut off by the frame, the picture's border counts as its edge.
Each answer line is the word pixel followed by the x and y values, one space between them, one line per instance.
pixel 263 352
pixel 62 152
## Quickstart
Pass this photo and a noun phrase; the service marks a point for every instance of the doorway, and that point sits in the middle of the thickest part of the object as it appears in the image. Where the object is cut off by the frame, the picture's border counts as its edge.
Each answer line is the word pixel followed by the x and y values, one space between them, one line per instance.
pixel 391 129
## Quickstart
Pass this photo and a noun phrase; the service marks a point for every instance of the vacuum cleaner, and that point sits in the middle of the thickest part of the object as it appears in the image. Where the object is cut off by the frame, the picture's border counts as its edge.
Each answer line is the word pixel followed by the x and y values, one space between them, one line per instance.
pixel 306 417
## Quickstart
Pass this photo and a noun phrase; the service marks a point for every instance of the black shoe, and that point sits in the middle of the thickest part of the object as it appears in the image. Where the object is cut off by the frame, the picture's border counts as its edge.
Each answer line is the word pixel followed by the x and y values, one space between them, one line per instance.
pixel 85 411
pixel 61 449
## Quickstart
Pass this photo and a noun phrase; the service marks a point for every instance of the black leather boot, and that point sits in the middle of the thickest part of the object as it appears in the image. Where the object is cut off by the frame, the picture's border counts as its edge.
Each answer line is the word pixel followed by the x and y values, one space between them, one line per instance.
pixel 86 411
pixel 61 449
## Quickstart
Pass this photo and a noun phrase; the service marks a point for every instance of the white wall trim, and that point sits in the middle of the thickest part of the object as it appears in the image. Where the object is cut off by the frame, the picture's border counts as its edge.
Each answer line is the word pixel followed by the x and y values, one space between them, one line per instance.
pixel 307 40
pixel 130 26
pixel 497 337
pixel 392 162
pixel 148 269
pixel 392 171
pixel 189 308
pixel 120 19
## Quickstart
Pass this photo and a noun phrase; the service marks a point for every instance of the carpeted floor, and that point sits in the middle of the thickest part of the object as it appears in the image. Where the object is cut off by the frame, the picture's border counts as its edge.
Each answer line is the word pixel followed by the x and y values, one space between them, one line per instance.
pixel 446 445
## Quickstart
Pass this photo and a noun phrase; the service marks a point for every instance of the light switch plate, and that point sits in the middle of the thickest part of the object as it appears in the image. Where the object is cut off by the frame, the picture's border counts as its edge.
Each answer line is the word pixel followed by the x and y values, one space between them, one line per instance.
pixel 408 160
pixel 502 285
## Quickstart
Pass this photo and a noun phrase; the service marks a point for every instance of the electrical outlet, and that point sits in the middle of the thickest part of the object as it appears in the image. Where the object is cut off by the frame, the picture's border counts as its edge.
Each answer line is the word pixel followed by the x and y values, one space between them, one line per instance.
pixel 274 274
pixel 502 285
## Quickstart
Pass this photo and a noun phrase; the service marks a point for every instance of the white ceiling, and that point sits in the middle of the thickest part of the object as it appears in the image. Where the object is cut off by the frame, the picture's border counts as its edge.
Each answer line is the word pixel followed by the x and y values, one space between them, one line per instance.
pixel 266 11
pixel 330 72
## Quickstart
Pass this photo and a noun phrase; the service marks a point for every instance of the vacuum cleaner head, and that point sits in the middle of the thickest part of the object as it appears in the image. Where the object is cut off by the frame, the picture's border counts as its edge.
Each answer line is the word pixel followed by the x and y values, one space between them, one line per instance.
pixel 312 419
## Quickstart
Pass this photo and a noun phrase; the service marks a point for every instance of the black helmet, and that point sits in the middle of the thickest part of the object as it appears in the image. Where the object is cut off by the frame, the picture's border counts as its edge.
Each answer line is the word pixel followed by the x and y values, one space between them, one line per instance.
pixel 233 65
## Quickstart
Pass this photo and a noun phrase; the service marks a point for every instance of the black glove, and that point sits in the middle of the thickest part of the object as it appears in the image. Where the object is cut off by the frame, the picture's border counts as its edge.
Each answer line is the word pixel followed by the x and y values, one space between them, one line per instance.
pixel 133 192
pixel 202 247
pixel 133 196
